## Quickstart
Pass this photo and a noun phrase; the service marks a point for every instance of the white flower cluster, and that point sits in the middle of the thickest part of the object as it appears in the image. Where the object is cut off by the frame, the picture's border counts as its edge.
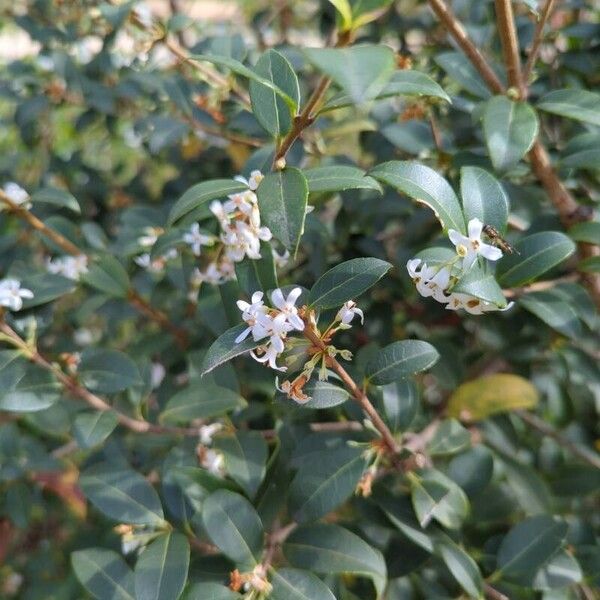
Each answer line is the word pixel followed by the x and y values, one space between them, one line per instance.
pixel 211 460
pixel 17 195
pixel 437 282
pixel 147 240
pixel 12 294
pixel 272 323
pixel 72 267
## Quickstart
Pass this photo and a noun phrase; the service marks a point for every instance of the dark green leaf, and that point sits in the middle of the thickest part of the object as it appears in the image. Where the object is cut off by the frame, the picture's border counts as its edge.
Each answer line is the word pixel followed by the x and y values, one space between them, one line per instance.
pixel 449 438
pixel 282 198
pixel 483 198
pixel 56 197
pixel 92 428
pixel 211 591
pixel 108 276
pixel 400 360
pixel 347 281
pixel 107 371
pixel 338 179
pixel 104 574
pixel 294 584
pixel 463 568
pixel 554 310
pixel 224 348
pixel 234 526
pixel 46 287
pixel 426 186
pixel 588 232
pixel 481 284
pixel 458 67
pixel 580 104
pixel 161 569
pixel 253 275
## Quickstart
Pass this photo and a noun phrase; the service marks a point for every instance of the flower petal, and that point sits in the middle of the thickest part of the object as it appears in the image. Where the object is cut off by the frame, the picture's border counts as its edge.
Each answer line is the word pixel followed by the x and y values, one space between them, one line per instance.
pixel 490 252
pixel 475 227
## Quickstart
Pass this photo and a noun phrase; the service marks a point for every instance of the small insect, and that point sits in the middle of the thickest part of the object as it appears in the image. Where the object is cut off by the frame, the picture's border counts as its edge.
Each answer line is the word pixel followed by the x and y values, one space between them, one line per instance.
pixel 498 240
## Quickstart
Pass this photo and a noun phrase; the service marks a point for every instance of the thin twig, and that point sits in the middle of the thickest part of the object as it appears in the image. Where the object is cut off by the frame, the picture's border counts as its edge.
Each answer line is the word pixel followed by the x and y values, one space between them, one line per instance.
pixel 540 425
pixel 274 542
pixel 538 36
pixel 510 45
pixel 75 389
pixel 492 593
pixel 539 286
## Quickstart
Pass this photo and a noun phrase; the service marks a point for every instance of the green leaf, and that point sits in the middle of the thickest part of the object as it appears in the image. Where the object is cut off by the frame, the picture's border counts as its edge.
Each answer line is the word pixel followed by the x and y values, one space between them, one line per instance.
pixel 294 584
pixel 201 399
pixel 463 568
pixel 402 83
pixel 211 591
pixel 322 395
pixel 108 276
pixel 458 67
pixel 426 186
pixel 320 487
pixel 509 128
pixel 282 198
pixel 483 198
pixel 269 109
pixel 578 104
pixel 46 287
pixel 224 348
pixel 338 179
pixel 56 197
pixel 589 265
pixel 325 548
pixel 582 152
pixel 528 546
pixel 400 401
pixel 107 371
pixel 478 399
pixel 240 69
pixel 587 232
pixel 246 454
pixel 161 570
pixel 345 10
pixel 400 360
pixel 103 573
pixel 92 428
pixel 253 275
pixel 435 496
pixel 25 387
pixel 122 494
pixel 555 310
pixel 361 71
pixel 481 284
pixel 561 571
pixel 346 281
pixel 234 526
pixel 472 470
pixel 449 438
pixel 537 254
pixel 202 193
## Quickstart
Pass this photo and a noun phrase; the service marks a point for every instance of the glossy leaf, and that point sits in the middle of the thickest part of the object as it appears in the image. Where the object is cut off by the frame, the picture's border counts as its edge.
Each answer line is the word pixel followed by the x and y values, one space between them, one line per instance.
pixel 225 348
pixel 122 494
pixel 528 546
pixel 509 128
pixel 268 107
pixel 400 360
pixel 458 67
pixel 463 568
pixel 483 198
pixel 46 287
pixel 234 526
pixel 282 198
pixel 588 232
pixel 202 193
pixel 449 438
pixel 581 105
pixel 537 254
pixel 319 488
pixel 253 275
pixel 295 584
pixel 481 284
pixel 338 179
pixel 325 548
pixel 56 197
pixel 201 399
pixel 107 371
pixel 555 310
pixel 104 574
pixel 426 186
pixel 361 71
pixel 491 394
pixel 108 276
pixel 347 281
pixel 211 591
pixel 92 428
pixel 400 401
pixel 161 570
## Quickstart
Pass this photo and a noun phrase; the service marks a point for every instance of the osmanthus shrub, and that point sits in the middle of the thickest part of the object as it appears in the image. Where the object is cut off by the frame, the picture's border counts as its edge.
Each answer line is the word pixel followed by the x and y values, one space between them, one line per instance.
pixel 298 300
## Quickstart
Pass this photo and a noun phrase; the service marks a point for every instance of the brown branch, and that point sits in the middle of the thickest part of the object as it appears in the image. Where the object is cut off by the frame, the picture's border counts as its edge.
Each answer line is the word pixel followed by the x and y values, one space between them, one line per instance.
pixel 62 242
pixel 510 45
pixel 458 32
pixel 540 425
pixel 539 286
pixel 538 36
pixel 492 593
pixel 78 391
pixel 274 542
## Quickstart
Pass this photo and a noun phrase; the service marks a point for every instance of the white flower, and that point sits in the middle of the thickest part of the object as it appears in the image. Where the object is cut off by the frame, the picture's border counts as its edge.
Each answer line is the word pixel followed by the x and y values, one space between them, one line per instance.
pixel 150 237
pixel 469 248
pixel 153 266
pixel 144 14
pixel 347 312
pixel 253 181
pixel 217 209
pixel 11 294
pixel 85 337
pixel 255 315
pixel 212 461
pixel 429 281
pixel 17 195
pixel 268 354
pixel 207 431
pixel 243 202
pixel 157 374
pixel 196 239
pixel 472 305
pixel 288 306
pixel 71 267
